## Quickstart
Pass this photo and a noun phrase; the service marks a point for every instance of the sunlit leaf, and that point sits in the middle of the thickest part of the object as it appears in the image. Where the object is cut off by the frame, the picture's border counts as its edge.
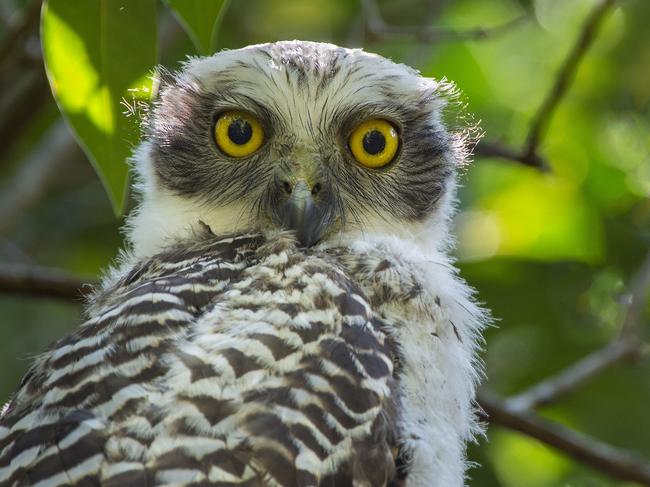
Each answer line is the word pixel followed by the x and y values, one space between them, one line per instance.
pixel 97 57
pixel 201 20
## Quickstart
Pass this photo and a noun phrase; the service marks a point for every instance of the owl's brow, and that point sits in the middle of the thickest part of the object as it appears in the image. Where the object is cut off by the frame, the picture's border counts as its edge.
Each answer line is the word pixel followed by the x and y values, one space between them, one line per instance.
pixel 229 98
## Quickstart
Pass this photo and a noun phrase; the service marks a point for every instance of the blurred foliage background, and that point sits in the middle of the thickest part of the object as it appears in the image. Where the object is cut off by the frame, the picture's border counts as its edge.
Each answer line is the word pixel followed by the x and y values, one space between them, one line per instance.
pixel 551 252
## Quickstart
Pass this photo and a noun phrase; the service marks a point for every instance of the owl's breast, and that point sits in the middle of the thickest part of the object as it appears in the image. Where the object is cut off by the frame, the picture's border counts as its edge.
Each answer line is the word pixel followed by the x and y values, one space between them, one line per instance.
pixel 236 360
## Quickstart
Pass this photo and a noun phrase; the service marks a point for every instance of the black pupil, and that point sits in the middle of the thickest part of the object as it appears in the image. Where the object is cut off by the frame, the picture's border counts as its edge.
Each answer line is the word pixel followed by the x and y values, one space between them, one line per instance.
pixel 374 142
pixel 240 131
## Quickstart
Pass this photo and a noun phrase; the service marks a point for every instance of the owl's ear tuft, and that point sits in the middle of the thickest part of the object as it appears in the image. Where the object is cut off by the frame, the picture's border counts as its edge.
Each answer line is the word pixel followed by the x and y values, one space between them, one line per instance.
pixel 162 79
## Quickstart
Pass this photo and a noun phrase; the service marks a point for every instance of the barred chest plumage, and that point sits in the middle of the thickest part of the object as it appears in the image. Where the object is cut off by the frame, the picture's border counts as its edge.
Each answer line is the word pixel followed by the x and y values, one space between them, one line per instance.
pixel 228 361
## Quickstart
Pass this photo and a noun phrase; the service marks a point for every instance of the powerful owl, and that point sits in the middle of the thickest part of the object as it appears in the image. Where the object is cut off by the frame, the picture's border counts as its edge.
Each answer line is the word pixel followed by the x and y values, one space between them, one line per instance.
pixel 286 312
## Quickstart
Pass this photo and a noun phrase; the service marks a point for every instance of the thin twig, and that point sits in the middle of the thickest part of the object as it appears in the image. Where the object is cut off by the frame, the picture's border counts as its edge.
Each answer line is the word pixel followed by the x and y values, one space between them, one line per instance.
pixel 379 29
pixel 42 282
pixel 529 155
pixel 557 386
pixel 565 75
pixel 601 456
pixel 627 345
pixel 495 149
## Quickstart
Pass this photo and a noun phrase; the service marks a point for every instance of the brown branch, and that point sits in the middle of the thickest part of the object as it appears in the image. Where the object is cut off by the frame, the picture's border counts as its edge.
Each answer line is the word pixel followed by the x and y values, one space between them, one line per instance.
pixel 627 345
pixel 565 75
pixel 42 282
pixel 379 29
pixel 601 456
pixel 528 155
pixel 517 412
pixel 495 149
pixel 557 386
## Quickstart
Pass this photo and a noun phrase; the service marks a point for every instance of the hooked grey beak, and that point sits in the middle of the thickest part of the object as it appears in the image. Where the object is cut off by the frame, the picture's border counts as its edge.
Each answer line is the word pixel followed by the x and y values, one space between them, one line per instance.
pixel 301 214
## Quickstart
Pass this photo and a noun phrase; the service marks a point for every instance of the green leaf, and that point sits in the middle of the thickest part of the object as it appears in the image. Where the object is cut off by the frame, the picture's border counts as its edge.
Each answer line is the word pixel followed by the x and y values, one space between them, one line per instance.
pixel 98 56
pixel 201 20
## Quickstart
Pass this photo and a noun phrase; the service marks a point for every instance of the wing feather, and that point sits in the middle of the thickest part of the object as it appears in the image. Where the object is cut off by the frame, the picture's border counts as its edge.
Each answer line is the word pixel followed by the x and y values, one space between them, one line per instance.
pixel 224 361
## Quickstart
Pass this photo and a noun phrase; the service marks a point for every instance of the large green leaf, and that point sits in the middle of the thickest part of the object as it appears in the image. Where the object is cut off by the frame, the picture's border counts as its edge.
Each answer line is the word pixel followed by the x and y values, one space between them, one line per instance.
pixel 98 56
pixel 201 20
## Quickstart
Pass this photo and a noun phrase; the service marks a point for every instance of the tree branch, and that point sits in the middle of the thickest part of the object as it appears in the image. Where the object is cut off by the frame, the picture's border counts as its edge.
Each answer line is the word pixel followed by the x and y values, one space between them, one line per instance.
pixel 557 386
pixel 517 412
pixel 528 155
pixel 627 345
pixel 42 282
pixel 565 75
pixel 379 29
pixel 486 148
pixel 613 461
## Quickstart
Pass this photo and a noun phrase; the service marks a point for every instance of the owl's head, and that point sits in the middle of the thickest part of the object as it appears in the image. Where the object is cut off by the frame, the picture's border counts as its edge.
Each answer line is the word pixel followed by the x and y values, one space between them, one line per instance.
pixel 325 141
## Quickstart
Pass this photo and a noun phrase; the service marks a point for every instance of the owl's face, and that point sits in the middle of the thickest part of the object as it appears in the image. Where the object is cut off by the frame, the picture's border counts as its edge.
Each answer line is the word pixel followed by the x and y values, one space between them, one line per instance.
pixel 301 136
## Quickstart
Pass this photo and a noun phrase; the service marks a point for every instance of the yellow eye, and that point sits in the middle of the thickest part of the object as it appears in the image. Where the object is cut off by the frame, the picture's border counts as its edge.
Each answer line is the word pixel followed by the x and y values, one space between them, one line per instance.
pixel 238 133
pixel 374 143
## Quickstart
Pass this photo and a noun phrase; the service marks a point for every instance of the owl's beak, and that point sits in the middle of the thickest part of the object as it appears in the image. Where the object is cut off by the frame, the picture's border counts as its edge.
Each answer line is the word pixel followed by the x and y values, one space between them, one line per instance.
pixel 302 214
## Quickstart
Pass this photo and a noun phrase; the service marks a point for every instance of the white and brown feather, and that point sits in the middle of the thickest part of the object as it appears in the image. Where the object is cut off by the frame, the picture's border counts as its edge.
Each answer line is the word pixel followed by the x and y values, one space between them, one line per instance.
pixel 229 361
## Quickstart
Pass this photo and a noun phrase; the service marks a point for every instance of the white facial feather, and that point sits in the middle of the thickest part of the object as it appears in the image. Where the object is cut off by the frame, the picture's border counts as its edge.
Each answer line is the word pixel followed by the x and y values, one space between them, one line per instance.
pixel 164 216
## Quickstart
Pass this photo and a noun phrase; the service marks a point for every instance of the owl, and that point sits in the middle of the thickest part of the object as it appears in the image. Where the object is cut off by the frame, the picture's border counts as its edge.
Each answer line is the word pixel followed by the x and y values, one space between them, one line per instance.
pixel 286 311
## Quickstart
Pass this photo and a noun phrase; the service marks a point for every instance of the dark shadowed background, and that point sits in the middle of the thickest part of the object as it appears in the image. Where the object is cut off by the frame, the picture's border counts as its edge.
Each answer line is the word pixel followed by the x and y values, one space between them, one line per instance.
pixel 554 220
